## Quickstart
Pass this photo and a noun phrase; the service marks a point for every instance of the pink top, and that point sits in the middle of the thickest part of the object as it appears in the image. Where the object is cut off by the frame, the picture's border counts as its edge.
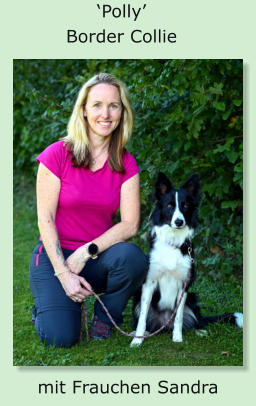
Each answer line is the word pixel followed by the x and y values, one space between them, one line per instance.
pixel 88 200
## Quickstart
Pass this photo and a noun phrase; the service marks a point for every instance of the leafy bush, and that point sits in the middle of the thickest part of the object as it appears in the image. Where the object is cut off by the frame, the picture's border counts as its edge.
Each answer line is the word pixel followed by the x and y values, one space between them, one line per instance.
pixel 188 118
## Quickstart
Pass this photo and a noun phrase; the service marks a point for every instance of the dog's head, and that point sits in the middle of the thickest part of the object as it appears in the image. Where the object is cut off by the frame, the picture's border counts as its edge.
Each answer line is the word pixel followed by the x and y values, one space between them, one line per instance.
pixel 177 208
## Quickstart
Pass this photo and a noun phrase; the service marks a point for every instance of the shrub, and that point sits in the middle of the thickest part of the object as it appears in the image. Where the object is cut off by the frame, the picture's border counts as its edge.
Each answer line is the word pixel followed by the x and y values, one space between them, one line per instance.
pixel 188 118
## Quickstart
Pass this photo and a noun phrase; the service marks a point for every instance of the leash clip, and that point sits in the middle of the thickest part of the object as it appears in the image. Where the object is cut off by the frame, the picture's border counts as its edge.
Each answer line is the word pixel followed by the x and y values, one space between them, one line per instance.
pixel 190 256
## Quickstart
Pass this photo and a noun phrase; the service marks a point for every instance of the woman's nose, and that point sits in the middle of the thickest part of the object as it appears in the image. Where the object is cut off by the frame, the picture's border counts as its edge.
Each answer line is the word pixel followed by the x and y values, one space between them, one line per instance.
pixel 105 112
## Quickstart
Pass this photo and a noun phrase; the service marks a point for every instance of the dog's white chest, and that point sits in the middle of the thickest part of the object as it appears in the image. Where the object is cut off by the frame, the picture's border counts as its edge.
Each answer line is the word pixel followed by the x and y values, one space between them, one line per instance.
pixel 168 267
pixel 168 261
pixel 165 258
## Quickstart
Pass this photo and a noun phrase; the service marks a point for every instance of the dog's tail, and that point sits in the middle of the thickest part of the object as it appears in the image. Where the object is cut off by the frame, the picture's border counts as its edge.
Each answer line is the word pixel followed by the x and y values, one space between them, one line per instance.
pixel 232 318
pixel 194 319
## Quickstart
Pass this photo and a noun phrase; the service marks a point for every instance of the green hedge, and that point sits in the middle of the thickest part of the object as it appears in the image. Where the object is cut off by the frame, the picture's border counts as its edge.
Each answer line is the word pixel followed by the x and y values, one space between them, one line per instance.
pixel 188 118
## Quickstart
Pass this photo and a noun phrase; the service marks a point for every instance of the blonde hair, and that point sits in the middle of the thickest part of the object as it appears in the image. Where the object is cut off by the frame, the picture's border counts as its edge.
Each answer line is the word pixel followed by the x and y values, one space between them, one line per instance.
pixel 77 139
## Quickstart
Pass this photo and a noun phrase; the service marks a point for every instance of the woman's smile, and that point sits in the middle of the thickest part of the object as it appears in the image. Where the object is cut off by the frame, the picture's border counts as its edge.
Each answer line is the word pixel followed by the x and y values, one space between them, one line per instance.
pixel 104 123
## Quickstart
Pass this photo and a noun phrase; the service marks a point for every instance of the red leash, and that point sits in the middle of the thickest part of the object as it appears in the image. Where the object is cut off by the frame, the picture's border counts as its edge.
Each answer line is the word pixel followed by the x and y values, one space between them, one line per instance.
pixel 84 314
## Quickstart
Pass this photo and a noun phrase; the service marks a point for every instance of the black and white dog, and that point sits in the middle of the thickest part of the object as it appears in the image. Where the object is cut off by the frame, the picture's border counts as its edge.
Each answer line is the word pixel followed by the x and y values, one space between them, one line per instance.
pixel 171 265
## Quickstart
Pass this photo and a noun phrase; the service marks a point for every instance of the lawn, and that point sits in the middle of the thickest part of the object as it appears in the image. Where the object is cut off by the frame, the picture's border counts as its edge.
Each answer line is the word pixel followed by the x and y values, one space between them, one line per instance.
pixel 223 345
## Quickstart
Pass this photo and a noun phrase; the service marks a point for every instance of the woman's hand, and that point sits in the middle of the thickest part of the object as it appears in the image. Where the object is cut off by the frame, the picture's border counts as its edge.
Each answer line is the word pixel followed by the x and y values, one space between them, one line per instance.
pixel 77 260
pixel 76 287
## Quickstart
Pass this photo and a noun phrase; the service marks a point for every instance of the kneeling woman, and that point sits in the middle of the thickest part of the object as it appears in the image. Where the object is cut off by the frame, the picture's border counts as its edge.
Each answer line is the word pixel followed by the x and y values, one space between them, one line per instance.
pixel 81 182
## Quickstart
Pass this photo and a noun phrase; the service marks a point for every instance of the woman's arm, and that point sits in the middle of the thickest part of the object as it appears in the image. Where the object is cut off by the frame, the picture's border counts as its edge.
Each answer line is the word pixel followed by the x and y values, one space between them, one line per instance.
pixel 48 188
pixel 122 231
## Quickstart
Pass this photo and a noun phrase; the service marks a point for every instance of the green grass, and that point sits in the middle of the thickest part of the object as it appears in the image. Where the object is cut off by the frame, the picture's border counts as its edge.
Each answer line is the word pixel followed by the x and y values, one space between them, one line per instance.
pixel 223 346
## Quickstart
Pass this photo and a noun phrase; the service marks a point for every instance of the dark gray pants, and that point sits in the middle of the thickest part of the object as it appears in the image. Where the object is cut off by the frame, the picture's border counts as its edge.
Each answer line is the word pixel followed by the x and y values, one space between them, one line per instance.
pixel 117 272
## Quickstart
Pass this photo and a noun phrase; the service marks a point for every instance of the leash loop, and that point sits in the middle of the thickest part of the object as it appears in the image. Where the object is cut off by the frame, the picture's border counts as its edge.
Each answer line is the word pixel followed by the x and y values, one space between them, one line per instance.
pixel 130 334
pixel 190 254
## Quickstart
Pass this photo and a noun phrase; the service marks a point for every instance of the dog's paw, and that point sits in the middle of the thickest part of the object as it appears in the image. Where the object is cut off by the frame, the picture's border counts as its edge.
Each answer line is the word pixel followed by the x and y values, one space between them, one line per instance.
pixel 201 333
pixel 177 338
pixel 136 342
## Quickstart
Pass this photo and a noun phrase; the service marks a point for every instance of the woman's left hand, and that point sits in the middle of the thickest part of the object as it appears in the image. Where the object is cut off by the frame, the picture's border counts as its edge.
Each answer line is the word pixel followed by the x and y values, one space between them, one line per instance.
pixel 77 260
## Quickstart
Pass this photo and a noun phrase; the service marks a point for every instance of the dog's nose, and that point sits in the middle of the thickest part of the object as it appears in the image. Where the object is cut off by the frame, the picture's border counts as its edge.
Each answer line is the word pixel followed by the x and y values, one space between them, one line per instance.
pixel 179 222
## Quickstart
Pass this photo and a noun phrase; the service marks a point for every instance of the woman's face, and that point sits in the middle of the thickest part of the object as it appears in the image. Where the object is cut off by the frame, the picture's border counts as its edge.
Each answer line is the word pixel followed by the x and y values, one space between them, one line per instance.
pixel 103 109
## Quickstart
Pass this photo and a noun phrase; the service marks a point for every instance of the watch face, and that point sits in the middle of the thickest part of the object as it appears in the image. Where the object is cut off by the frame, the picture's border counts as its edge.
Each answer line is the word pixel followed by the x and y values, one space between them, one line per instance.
pixel 93 249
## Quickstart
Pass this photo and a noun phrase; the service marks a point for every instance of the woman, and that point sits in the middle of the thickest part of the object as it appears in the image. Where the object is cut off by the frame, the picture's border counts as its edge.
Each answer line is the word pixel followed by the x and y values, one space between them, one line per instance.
pixel 82 180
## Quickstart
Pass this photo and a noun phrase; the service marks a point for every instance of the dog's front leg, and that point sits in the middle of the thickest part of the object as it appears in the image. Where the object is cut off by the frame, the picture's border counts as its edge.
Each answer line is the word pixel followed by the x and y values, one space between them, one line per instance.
pixel 147 292
pixel 178 321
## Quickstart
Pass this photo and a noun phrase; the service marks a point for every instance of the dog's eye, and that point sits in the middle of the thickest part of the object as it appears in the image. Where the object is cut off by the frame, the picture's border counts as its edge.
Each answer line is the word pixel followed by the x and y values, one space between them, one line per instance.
pixel 185 206
pixel 170 206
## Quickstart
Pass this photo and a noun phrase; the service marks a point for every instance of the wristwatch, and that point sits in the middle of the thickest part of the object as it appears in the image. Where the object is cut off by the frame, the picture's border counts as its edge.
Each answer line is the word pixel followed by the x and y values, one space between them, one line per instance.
pixel 93 250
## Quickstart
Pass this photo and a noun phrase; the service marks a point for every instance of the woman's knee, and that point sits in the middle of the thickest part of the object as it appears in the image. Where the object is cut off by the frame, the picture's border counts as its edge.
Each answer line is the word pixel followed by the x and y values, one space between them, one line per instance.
pixel 58 340
pixel 133 261
pixel 60 329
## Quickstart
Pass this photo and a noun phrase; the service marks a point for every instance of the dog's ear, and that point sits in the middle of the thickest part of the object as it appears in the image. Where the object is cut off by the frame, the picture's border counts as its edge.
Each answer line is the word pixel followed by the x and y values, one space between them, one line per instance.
pixel 192 185
pixel 162 186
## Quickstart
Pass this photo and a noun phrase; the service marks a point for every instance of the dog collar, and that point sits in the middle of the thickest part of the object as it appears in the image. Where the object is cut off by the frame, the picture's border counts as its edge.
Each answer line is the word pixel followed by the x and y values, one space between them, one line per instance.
pixel 175 245
pixel 187 245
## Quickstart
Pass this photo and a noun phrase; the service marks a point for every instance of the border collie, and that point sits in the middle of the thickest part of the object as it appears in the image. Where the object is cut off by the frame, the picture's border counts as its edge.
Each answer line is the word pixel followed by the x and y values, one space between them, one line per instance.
pixel 171 265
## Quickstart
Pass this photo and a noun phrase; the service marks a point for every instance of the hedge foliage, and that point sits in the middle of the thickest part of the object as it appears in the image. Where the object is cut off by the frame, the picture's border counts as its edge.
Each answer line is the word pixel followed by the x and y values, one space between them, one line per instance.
pixel 188 118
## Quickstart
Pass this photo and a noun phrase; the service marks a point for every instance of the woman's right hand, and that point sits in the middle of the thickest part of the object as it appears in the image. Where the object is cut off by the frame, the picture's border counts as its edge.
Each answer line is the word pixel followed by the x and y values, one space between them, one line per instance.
pixel 75 286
